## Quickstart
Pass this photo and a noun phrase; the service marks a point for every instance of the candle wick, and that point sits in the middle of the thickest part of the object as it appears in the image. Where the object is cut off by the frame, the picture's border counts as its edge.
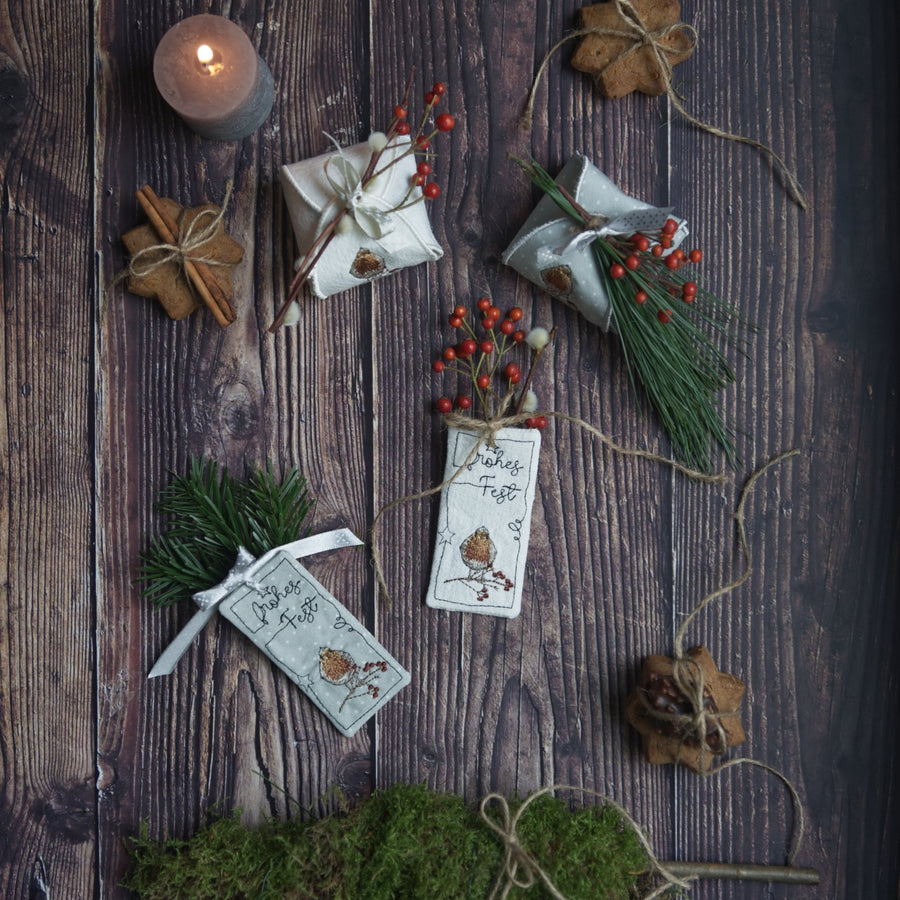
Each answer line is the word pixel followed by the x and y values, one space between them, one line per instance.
pixel 210 61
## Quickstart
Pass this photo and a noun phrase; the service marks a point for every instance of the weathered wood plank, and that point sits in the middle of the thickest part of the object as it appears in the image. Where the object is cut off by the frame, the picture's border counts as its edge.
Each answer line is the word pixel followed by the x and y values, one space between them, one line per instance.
pixel 47 728
pixel 497 705
pixel 226 729
pixel 620 550
pixel 802 386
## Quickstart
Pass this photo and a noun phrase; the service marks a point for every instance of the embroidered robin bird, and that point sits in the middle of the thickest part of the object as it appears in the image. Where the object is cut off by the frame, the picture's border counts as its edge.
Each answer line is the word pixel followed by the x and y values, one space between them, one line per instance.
pixel 335 665
pixel 478 552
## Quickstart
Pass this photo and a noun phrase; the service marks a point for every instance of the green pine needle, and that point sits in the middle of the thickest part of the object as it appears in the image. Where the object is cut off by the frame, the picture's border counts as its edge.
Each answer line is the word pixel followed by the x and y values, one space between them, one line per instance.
pixel 678 364
pixel 211 514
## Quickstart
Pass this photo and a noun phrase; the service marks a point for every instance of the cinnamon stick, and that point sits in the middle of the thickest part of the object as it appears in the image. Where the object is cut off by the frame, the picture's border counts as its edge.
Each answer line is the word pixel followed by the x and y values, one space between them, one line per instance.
pixel 199 273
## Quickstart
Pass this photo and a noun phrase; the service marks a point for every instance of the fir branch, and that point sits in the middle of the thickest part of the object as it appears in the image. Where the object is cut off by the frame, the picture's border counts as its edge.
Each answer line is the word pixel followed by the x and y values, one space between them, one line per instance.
pixel 671 347
pixel 210 514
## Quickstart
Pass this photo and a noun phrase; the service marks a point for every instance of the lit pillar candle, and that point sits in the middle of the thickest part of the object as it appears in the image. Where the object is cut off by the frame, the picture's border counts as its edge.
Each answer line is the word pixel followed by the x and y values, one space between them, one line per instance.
pixel 208 72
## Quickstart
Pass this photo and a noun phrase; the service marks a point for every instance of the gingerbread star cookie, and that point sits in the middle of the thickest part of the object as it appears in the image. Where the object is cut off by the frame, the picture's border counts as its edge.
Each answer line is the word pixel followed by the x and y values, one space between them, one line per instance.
pixel 664 716
pixel 621 55
pixel 168 282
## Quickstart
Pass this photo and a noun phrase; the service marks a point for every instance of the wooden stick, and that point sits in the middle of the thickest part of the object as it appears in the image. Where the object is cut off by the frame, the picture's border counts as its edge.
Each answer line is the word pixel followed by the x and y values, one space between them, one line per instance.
pixel 203 270
pixel 199 273
pixel 742 872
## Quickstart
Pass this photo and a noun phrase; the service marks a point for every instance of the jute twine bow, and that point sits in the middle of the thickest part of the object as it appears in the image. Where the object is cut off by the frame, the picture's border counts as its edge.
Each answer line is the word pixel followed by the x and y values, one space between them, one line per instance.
pixel 190 241
pixel 641 36
pixel 486 433
pixel 520 869
pixel 701 723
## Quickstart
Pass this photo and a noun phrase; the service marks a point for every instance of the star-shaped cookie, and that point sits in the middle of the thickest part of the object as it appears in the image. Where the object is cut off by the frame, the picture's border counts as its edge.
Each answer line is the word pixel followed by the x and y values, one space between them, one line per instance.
pixel 621 65
pixel 664 740
pixel 167 283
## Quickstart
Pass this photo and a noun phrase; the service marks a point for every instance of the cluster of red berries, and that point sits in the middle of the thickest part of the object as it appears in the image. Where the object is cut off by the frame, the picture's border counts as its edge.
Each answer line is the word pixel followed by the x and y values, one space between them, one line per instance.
pixel 640 250
pixel 481 358
pixel 421 141
pixel 375 668
pixel 499 580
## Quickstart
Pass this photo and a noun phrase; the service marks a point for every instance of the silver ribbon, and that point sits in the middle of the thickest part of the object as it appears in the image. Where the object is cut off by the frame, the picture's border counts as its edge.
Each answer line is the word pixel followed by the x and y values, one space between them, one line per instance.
pixel 639 220
pixel 241 575
pixel 238 576
pixel 551 240
pixel 366 208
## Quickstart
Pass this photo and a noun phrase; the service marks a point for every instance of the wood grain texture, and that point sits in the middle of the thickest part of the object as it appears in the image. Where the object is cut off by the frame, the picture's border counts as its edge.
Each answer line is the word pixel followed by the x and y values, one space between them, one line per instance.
pixel 103 397
pixel 47 721
pixel 241 733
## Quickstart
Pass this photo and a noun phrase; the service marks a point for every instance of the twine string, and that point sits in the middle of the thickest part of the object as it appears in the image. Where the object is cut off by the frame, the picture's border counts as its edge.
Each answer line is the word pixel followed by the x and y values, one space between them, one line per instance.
pixel 703 725
pixel 798 829
pixel 641 36
pixel 486 433
pixel 190 241
pixel 519 867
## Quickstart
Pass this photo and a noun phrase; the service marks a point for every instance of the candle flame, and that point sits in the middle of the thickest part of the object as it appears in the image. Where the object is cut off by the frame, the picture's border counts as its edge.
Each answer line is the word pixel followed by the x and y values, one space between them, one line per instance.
pixel 210 61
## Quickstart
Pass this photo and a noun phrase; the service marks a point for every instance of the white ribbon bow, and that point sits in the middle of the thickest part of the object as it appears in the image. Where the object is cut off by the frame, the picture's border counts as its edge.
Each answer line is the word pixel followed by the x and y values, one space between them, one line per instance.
pixel 638 220
pixel 366 208
pixel 241 575
pixel 238 575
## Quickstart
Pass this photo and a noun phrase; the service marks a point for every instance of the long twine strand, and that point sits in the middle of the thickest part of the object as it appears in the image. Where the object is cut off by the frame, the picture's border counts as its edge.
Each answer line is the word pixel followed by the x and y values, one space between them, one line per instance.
pixel 745 549
pixel 520 869
pixel 486 432
pixel 641 36
pixel 686 673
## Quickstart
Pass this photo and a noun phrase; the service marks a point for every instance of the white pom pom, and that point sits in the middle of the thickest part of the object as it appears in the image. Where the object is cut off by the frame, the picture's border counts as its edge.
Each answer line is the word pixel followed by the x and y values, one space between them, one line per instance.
pixel 537 338
pixel 292 316
pixel 378 141
pixel 530 403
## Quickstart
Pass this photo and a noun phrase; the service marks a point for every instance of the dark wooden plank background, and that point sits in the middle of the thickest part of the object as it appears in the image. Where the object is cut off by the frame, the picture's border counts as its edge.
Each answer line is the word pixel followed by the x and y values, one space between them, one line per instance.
pixel 102 396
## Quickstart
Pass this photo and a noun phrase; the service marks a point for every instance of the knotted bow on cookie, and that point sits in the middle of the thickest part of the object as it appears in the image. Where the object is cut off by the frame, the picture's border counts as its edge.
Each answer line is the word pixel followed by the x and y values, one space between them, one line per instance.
pixel 632 46
pixel 177 272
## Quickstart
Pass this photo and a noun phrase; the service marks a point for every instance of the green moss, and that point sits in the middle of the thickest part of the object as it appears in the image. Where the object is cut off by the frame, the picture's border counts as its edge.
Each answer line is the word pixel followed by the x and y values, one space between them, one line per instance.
pixel 403 843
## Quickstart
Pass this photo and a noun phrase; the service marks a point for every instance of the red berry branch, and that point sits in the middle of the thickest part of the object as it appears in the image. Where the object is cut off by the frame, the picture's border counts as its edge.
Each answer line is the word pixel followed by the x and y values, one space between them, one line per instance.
pixel 668 327
pixel 483 361
pixel 399 131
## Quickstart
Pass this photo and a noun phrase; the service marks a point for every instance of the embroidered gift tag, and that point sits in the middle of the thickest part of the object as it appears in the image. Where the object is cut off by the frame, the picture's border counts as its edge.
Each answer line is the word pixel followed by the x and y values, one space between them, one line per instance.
pixel 319 644
pixel 484 522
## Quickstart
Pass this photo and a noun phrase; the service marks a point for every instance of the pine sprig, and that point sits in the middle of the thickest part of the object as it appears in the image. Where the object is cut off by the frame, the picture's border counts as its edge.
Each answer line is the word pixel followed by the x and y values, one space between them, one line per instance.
pixel 671 347
pixel 210 515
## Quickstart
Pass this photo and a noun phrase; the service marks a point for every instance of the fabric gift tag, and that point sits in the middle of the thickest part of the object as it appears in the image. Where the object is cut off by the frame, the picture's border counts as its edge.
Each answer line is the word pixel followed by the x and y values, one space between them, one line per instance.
pixel 374 238
pixel 319 644
pixel 484 522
